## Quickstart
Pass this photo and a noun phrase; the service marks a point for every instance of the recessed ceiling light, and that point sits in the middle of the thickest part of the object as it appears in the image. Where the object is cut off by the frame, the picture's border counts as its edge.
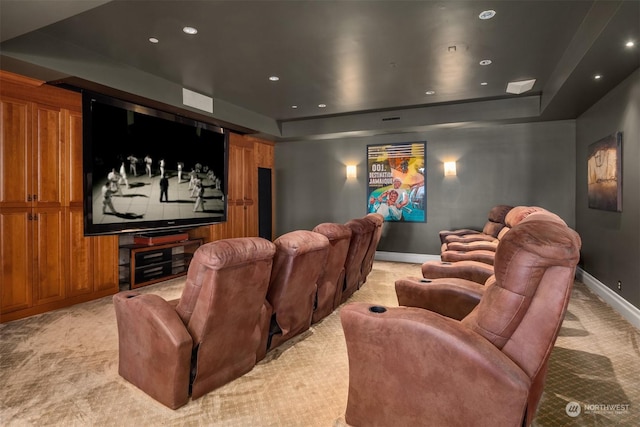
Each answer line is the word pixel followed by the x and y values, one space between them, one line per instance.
pixel 485 62
pixel 190 30
pixel 487 14
pixel 484 84
pixel 153 40
pixel 294 106
pixel 430 92
pixel 274 78
pixel 597 77
pixel 630 43
pixel 322 105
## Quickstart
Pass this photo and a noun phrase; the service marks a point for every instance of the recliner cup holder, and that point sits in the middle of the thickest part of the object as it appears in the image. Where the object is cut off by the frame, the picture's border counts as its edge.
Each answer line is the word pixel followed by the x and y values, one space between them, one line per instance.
pixel 377 309
pixel 445 263
pixel 425 280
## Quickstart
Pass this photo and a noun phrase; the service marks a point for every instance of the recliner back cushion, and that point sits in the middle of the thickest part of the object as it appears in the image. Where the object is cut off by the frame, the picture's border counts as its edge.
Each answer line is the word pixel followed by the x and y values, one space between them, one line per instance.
pixel 298 262
pixel 229 271
pixel 543 215
pixel 378 221
pixel 361 233
pixel 214 256
pixel 498 213
pixel 519 213
pixel 531 253
pixel 330 280
pixel 492 228
pixel 233 276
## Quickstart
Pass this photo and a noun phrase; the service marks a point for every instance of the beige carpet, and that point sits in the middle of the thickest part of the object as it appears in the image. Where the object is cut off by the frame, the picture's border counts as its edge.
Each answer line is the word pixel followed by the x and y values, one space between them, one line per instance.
pixel 60 368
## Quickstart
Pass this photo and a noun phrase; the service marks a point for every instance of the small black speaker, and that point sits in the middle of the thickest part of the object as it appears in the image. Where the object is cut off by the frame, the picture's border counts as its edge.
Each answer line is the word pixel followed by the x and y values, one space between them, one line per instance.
pixel 264 204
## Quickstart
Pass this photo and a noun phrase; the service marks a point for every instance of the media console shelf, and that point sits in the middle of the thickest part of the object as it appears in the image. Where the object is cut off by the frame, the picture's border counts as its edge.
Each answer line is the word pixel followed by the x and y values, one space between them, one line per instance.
pixel 142 265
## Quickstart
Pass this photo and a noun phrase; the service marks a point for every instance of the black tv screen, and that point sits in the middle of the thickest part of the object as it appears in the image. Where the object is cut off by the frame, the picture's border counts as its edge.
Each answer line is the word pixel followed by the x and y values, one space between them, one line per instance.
pixel 147 170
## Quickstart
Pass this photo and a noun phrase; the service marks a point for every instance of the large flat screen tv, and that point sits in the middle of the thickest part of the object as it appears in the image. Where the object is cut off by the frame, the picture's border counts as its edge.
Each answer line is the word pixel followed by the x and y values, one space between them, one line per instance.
pixel 149 171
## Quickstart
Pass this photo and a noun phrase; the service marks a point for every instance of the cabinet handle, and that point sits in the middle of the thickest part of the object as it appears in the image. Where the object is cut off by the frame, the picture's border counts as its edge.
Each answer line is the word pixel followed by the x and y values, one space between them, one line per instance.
pixel 35 217
pixel 29 199
pixel 35 197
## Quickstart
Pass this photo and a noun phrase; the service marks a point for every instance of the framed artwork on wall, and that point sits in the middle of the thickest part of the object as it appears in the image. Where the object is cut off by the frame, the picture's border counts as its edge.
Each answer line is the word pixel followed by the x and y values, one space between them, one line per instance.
pixel 604 173
pixel 396 181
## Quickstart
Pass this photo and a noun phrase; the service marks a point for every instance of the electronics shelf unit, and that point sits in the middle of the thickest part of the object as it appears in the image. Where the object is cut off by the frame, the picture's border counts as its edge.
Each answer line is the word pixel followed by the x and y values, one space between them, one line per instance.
pixel 142 265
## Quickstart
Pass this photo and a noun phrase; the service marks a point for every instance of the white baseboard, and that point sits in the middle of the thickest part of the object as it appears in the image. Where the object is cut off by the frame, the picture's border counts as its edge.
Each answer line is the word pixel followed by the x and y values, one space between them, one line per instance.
pixel 619 304
pixel 402 257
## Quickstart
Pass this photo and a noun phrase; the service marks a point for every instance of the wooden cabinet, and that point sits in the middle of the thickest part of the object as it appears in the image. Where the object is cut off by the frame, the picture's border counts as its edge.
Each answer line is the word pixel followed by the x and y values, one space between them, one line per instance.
pixel 91 264
pixel 242 198
pixel 32 155
pixel 48 252
pixel 47 262
pixel 73 134
pixel 15 253
pixel 31 243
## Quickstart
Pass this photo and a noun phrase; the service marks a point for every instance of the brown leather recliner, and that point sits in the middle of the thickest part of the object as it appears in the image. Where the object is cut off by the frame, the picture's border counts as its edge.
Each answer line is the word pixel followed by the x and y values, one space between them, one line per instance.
pixel 495 222
pixel 487 369
pixel 484 251
pixel 512 218
pixel 299 260
pixel 210 336
pixel 361 234
pixel 367 264
pixel 332 277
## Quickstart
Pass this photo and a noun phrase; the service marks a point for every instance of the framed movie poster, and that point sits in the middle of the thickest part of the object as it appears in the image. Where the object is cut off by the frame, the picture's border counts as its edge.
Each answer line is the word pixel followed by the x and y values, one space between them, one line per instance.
pixel 604 168
pixel 396 186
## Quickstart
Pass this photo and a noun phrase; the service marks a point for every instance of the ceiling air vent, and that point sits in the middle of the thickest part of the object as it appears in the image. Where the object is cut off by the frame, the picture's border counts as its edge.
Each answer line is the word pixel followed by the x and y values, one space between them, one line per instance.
pixel 521 86
pixel 388 119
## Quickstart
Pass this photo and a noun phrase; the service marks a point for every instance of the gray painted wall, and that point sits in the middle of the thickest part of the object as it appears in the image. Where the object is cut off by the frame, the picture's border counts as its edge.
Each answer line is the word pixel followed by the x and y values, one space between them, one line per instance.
pixel 611 240
pixel 517 164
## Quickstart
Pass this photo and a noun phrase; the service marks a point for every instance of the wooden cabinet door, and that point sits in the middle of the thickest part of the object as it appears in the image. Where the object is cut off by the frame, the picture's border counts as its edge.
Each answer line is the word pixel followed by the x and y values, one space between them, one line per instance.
pixel 16 260
pixel 50 255
pixel 250 192
pixel 15 163
pixel 73 137
pixel 93 264
pixel 104 262
pixel 264 154
pixel 241 204
pixel 47 155
pixel 80 269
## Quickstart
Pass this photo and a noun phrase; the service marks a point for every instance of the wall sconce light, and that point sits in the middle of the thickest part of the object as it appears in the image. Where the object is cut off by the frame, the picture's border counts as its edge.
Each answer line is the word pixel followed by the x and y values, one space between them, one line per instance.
pixel 450 169
pixel 351 171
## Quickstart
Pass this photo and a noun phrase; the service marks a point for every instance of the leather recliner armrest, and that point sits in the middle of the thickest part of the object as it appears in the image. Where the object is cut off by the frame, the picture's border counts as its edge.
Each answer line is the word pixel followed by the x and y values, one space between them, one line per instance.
pixel 475 271
pixel 462 231
pixel 408 365
pixel 154 347
pixel 466 238
pixel 486 257
pixel 451 297
pixel 473 246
